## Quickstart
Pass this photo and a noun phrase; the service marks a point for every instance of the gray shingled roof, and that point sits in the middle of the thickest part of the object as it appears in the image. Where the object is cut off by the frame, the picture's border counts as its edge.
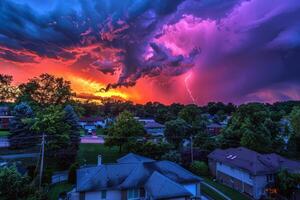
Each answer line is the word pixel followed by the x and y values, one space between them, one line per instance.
pixel 253 162
pixel 135 173
pixel 161 187
pixel 133 158
pixel 153 125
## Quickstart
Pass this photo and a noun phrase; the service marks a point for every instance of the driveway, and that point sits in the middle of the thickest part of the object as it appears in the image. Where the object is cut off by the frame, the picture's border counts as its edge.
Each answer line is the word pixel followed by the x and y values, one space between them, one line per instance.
pixel 92 140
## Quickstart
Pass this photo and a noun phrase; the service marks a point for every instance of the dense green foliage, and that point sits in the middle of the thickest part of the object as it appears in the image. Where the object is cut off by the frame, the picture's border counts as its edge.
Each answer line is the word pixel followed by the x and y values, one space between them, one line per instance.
pixel 21 134
pixel 200 168
pixel 124 130
pixel 294 141
pixel 72 173
pixel 176 131
pixel 287 182
pixel 61 133
pixel 251 126
pixel 7 91
pixel 15 186
pixel 46 90
pixel 149 149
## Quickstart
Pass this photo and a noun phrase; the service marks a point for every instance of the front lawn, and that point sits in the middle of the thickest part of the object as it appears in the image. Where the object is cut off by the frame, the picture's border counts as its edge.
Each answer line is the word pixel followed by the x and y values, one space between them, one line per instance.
pixel 100 131
pixel 56 189
pixel 210 193
pixel 4 133
pixel 88 154
pixel 233 194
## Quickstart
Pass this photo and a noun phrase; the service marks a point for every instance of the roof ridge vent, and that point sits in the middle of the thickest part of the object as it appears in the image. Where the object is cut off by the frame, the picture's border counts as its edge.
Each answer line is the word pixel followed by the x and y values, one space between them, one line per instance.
pixel 233 157
pixel 229 156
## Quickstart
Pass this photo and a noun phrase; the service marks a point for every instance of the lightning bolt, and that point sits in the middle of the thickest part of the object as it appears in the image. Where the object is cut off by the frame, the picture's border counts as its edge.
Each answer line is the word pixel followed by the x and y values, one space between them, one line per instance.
pixel 187 87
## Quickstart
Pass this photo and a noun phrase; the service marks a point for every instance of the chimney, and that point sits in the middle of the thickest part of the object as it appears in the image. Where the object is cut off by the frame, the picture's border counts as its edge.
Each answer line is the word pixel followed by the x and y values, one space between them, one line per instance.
pixel 99 160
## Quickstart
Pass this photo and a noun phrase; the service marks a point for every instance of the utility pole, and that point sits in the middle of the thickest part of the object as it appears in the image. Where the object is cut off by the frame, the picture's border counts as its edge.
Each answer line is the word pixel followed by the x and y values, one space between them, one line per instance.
pixel 192 151
pixel 42 161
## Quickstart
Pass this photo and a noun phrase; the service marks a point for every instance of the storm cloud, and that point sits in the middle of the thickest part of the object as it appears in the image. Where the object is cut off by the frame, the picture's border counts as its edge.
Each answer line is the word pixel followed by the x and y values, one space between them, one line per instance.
pixel 236 50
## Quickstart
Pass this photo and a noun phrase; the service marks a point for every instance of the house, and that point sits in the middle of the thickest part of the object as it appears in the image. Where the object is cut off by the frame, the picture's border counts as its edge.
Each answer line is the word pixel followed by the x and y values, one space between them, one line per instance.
pixel 90 124
pixel 214 129
pixel 248 171
pixel 153 129
pixel 136 177
pixel 5 117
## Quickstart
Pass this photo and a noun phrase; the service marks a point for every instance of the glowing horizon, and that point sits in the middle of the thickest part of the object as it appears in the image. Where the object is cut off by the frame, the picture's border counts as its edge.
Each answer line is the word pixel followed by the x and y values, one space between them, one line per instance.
pixel 184 51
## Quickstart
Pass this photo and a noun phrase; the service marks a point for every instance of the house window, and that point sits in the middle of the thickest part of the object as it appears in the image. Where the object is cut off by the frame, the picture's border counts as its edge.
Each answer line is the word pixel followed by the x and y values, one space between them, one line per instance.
pixel 103 194
pixel 270 178
pixel 133 194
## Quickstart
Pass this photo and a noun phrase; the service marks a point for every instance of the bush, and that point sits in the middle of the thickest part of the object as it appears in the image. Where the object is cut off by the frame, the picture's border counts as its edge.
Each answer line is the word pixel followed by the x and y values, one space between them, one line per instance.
pixel 72 173
pixel 200 168
pixel 47 177
pixel 173 156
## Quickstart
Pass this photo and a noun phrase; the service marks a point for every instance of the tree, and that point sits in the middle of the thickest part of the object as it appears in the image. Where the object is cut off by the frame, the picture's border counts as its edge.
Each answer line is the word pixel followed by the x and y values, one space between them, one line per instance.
pixel 176 131
pixel 51 122
pixel 22 136
pixel 200 168
pixel 72 173
pixel 287 182
pixel 71 119
pixel 250 126
pixel 205 142
pixel 46 90
pixel 173 156
pixel 7 91
pixel 124 129
pixel 294 141
pixel 190 113
pixel 149 149
pixel 257 138
pixel 13 185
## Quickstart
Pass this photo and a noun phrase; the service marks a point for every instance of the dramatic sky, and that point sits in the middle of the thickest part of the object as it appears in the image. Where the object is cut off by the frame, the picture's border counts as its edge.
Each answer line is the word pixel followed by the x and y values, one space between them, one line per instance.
pixel 188 51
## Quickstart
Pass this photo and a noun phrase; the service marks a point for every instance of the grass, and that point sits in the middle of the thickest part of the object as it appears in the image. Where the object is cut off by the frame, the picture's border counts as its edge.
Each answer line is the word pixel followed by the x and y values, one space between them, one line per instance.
pixel 9 151
pixel 4 133
pixel 100 131
pixel 88 153
pixel 56 189
pixel 82 132
pixel 210 193
pixel 233 194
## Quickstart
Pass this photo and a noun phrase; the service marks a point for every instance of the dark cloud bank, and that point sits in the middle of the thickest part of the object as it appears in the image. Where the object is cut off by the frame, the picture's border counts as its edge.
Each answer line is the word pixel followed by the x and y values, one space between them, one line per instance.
pixel 236 49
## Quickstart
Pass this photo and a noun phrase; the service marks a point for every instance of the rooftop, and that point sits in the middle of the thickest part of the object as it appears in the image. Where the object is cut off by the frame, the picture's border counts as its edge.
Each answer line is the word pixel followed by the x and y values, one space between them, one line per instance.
pixel 133 171
pixel 253 162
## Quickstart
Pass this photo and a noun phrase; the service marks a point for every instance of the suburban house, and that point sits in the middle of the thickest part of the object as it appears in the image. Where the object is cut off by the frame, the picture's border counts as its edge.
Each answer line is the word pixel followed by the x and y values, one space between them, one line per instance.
pixel 134 177
pixel 90 124
pixel 5 117
pixel 153 129
pixel 214 129
pixel 248 171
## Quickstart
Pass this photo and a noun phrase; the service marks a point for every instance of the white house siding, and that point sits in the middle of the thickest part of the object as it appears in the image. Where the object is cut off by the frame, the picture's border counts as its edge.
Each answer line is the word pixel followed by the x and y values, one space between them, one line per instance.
pixel 260 183
pixel 110 195
pixel 192 188
pixel 235 172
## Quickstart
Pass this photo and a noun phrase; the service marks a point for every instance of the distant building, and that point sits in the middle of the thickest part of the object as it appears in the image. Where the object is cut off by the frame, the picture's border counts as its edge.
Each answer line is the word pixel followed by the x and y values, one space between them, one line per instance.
pixel 90 124
pixel 5 117
pixel 215 128
pixel 152 127
pixel 248 171
pixel 135 177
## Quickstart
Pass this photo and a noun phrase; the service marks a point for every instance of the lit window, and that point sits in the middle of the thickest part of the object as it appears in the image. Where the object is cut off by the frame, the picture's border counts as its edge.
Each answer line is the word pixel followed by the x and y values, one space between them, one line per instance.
pixel 133 194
